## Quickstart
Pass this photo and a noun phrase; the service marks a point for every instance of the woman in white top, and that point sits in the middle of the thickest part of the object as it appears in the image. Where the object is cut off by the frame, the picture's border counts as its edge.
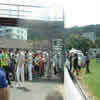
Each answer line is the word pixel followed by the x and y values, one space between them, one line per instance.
pixel 20 69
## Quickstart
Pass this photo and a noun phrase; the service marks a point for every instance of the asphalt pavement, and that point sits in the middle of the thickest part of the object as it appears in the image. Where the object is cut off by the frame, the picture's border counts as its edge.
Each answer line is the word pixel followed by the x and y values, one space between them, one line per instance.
pixel 36 90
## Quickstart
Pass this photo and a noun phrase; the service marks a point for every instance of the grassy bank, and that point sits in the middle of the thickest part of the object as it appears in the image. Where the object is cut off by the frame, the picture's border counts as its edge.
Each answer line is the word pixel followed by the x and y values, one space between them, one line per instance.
pixel 92 80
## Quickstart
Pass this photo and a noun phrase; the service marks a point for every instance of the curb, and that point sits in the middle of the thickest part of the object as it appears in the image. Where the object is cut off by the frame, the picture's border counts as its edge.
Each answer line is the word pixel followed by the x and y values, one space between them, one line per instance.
pixel 81 89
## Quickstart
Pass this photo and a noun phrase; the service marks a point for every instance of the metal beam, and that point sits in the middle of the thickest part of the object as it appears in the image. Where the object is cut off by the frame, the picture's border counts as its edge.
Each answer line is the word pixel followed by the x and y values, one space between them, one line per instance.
pixel 13 10
pixel 23 5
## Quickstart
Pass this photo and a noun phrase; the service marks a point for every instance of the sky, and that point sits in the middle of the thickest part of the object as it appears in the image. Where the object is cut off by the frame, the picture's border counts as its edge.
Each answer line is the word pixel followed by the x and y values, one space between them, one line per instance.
pixel 77 12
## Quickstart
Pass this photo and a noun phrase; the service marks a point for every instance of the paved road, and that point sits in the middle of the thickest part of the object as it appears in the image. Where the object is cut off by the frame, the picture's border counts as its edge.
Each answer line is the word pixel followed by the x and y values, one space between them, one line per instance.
pixel 36 90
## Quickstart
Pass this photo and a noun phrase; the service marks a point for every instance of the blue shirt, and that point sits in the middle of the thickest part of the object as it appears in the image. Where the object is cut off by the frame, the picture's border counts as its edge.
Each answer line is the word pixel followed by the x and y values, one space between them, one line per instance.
pixel 3 82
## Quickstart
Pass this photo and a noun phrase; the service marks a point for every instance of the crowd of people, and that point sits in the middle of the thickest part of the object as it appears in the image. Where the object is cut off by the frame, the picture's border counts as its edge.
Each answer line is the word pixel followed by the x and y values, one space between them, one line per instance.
pixel 22 65
pixel 76 64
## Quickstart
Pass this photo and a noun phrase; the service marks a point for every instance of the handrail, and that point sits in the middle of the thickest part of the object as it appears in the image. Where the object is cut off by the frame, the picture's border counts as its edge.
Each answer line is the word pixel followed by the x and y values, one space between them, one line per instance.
pixel 81 90
pixel 71 91
pixel 76 83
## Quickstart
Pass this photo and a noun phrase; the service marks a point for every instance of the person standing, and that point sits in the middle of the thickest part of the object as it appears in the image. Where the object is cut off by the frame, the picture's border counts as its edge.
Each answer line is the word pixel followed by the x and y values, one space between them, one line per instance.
pixel 4 63
pixel 75 64
pixel 30 60
pixel 87 63
pixel 70 59
pixel 26 65
pixel 0 58
pixel 41 64
pixel 37 60
pixel 45 64
pixel 12 65
pixel 16 65
pixel 4 90
pixel 55 64
pixel 20 69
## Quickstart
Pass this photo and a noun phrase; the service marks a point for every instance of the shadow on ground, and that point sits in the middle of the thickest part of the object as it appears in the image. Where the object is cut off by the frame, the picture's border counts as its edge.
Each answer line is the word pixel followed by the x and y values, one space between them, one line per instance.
pixel 46 81
pixel 24 89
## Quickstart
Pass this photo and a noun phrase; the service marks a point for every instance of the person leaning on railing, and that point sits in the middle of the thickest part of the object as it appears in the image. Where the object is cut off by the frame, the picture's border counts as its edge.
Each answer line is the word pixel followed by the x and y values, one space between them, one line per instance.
pixel 4 91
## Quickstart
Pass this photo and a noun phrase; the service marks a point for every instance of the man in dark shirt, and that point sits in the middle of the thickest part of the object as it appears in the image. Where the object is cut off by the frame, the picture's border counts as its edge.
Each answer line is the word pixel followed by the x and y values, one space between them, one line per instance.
pixel 70 59
pixel 87 63
pixel 75 64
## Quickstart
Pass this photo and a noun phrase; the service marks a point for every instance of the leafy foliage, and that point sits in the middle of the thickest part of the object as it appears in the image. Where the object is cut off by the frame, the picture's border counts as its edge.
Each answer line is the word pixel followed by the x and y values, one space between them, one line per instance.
pixel 74 40
pixel 78 42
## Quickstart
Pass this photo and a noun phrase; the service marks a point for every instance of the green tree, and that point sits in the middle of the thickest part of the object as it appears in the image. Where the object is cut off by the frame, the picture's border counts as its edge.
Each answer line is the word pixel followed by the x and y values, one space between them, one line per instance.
pixel 78 42
pixel 97 42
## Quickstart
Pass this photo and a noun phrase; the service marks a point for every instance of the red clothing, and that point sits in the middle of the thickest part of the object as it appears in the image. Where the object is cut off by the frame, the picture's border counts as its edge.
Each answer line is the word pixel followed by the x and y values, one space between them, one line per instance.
pixel 41 63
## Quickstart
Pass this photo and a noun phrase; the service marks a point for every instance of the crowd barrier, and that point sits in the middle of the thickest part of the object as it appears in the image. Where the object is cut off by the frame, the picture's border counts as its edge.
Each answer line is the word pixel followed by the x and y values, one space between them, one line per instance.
pixel 71 92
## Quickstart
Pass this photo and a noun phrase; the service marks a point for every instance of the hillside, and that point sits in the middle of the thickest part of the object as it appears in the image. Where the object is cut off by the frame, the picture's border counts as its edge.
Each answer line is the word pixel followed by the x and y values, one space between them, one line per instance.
pixel 84 29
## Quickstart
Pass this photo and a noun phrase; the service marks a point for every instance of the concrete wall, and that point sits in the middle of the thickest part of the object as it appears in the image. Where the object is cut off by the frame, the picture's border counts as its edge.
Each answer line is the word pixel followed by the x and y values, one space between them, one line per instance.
pixel 71 92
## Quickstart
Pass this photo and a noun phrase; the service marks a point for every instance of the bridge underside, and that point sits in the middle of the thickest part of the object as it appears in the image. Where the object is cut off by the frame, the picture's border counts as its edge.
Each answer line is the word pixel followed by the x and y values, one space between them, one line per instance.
pixel 28 44
pixel 5 21
pixel 8 21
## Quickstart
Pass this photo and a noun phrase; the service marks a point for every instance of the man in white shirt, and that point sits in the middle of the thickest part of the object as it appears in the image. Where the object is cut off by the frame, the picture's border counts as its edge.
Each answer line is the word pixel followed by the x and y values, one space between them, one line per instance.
pixel 20 69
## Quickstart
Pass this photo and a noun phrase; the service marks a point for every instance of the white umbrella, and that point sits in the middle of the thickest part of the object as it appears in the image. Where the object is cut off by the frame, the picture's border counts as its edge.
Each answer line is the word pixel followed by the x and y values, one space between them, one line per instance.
pixel 73 50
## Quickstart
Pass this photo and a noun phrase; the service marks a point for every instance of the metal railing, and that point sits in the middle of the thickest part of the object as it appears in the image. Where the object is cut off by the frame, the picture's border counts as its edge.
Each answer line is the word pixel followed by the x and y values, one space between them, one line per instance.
pixel 78 85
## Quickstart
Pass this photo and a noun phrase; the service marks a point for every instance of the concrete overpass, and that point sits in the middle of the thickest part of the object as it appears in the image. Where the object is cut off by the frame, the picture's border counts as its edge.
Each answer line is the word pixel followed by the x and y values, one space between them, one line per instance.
pixel 13 14
pixel 24 44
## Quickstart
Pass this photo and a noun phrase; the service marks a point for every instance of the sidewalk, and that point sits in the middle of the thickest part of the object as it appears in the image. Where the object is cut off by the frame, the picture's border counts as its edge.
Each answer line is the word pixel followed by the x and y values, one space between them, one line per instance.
pixel 34 90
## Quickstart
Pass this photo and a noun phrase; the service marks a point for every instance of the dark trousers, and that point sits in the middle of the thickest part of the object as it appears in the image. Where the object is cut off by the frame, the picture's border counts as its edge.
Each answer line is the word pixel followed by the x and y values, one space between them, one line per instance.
pixel 79 66
pixel 7 70
pixel 55 72
pixel 13 70
pixel 87 68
